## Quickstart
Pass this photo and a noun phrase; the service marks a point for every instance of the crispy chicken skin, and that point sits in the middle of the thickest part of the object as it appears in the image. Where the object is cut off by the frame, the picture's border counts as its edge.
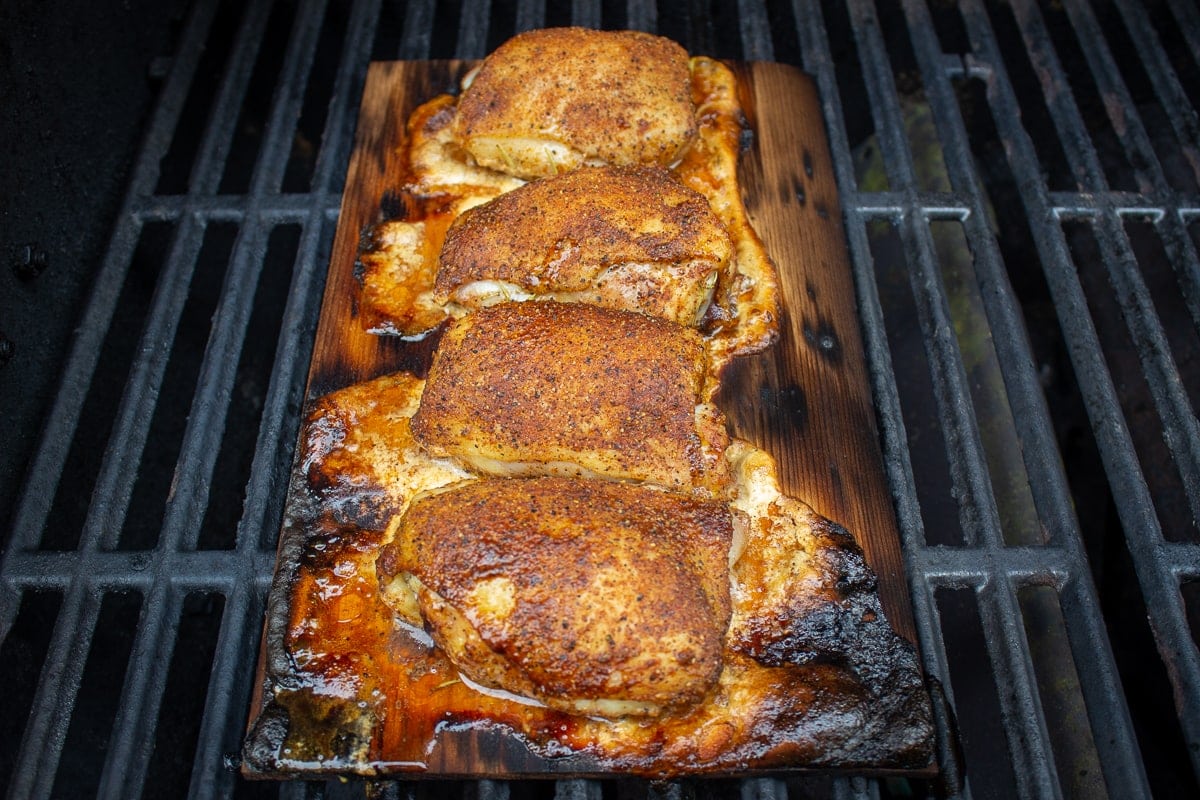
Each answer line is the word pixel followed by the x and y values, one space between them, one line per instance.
pixel 594 597
pixel 551 388
pixel 631 238
pixel 551 100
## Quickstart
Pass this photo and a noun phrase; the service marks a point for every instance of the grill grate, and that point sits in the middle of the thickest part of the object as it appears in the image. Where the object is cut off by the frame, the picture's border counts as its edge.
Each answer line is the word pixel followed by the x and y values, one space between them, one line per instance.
pixel 1019 188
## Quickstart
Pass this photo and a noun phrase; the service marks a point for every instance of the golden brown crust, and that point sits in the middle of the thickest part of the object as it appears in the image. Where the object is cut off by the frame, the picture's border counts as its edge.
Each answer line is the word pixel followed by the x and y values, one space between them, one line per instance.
pixel 552 388
pixel 576 590
pixel 444 181
pixel 550 100
pixel 622 237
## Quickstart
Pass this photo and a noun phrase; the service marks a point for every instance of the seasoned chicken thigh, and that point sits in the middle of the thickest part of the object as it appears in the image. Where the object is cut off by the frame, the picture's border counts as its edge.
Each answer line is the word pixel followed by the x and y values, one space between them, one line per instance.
pixel 593 597
pixel 631 238
pixel 550 388
pixel 551 100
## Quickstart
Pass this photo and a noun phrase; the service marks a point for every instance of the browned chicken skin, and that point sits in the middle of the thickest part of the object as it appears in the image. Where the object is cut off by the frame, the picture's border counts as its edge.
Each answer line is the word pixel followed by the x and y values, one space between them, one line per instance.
pixel 551 388
pixel 399 258
pixel 631 238
pixel 551 100
pixel 591 596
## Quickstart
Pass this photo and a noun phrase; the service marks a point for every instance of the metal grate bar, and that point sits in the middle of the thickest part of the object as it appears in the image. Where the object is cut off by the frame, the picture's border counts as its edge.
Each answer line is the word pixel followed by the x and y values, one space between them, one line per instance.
pixel 1181 429
pixel 225 207
pixel 1024 722
pixel 236 651
pixel 493 790
pixel 755 30
pixel 287 382
pixel 1001 304
pixel 1129 489
pixel 153 632
pixel 764 789
pixel 1135 141
pixel 933 205
pixel 286 102
pixel 286 388
pixel 202 439
pixel 1174 99
pixel 218 135
pixel 1128 124
pixel 473 20
pixel 974 566
pixel 979 517
pixel 130 752
pixel 1187 17
pixel 818 61
pixel 1137 145
pixel 228 688
pixel 530 14
pixel 1060 103
pixel 343 106
pixel 209 569
pixel 145 679
pixel 1152 206
pixel 641 16
pixel 578 790
pixel 586 13
pixel 1184 558
pixel 418 30
pixel 41 746
pixel 855 789
pixel 114 485
pixel 1097 670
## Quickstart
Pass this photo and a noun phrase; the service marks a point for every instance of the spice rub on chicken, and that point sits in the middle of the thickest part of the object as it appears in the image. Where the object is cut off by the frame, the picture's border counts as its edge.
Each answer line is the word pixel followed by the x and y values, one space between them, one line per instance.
pixel 566 389
pixel 631 238
pixel 592 597
pixel 398 258
pixel 551 100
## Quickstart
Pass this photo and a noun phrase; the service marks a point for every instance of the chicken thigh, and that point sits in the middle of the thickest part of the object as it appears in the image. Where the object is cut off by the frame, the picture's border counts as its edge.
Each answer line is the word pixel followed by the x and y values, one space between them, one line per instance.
pixel 631 238
pixel 551 100
pixel 566 389
pixel 592 597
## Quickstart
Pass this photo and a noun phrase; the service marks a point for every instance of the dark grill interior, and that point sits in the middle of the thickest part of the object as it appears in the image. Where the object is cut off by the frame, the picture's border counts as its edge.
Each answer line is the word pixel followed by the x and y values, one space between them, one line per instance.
pixel 1019 186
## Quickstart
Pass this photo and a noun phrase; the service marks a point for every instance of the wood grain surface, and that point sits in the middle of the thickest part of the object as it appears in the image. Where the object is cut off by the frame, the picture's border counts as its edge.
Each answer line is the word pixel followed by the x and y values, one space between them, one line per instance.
pixel 806 400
